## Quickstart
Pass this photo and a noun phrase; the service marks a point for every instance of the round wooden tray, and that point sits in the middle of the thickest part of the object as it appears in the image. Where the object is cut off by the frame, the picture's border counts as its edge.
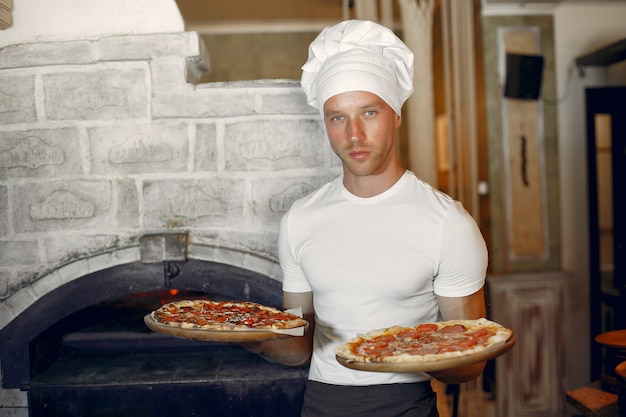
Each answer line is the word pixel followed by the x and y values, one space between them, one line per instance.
pixel 429 366
pixel 613 339
pixel 251 335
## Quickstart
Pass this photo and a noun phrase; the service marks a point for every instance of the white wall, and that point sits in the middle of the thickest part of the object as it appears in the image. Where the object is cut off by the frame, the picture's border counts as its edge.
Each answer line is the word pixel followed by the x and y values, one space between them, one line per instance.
pixel 580 28
pixel 59 20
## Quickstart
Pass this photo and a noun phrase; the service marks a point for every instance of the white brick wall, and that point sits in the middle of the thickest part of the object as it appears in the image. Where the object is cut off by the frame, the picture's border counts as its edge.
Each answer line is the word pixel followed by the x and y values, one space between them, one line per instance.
pixel 105 141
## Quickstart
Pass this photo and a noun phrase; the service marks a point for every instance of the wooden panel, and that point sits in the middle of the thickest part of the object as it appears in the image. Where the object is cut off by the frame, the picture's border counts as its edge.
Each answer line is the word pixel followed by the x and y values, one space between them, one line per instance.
pixel 544 255
pixel 6 18
pixel 523 145
pixel 529 379
pixel 243 10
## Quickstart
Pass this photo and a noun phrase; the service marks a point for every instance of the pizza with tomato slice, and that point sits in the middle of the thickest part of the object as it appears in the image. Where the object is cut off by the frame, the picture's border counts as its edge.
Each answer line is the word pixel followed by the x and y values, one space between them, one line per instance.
pixel 425 342
pixel 225 316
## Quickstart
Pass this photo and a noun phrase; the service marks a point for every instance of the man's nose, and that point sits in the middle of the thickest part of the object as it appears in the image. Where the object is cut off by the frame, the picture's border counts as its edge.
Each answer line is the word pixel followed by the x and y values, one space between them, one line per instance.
pixel 355 131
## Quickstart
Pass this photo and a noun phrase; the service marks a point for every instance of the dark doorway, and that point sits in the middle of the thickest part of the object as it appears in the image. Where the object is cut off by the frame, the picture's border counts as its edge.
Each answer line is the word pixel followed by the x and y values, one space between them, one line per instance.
pixel 606 153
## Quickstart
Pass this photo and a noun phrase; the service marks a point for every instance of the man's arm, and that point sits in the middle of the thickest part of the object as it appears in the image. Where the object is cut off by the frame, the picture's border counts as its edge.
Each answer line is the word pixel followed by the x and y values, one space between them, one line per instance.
pixel 461 308
pixel 293 351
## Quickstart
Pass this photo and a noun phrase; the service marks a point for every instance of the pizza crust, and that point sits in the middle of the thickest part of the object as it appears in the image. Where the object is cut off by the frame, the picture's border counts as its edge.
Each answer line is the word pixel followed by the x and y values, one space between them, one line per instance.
pixel 349 350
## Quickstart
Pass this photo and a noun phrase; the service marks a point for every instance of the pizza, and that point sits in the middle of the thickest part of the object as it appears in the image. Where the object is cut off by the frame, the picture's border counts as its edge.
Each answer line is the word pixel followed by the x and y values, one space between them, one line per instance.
pixel 426 342
pixel 225 316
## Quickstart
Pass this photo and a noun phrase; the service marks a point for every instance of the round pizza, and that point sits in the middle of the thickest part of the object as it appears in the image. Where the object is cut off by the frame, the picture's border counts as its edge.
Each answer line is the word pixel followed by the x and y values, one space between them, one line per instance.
pixel 225 316
pixel 426 342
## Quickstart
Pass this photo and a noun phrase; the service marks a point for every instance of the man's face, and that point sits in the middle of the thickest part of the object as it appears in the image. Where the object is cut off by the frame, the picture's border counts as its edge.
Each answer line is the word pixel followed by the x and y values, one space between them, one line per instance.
pixel 361 128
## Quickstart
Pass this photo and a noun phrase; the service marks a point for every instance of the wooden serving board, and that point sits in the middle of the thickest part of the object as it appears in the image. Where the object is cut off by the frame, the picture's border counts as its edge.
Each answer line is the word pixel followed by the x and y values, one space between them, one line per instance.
pixel 251 335
pixel 429 366
pixel 613 339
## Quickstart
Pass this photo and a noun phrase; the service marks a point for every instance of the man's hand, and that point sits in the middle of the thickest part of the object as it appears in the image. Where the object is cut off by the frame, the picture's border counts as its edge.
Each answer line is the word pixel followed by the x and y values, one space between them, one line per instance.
pixel 293 351
pixel 461 308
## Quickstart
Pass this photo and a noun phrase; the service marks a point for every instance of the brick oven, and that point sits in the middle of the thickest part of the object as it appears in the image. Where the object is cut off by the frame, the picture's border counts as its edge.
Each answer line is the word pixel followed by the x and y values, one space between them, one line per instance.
pixel 124 182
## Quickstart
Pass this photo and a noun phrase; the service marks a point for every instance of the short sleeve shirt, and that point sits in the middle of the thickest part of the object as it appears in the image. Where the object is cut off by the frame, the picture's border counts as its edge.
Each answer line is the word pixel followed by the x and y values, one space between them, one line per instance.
pixel 376 262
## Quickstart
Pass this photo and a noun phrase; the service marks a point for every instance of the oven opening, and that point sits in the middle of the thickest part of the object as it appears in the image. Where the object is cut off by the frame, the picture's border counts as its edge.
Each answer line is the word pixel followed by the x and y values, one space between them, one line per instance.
pixel 104 361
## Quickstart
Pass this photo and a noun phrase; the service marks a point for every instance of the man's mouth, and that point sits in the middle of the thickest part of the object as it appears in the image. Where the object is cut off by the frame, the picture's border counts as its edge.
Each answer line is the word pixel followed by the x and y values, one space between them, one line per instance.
pixel 358 154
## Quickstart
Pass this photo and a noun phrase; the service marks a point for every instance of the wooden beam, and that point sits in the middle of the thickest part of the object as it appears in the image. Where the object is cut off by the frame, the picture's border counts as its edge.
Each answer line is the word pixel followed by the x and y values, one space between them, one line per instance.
pixel 608 55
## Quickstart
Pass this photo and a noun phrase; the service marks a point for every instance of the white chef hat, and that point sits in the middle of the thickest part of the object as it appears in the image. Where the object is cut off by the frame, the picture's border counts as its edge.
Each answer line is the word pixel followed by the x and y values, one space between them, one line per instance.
pixel 357 55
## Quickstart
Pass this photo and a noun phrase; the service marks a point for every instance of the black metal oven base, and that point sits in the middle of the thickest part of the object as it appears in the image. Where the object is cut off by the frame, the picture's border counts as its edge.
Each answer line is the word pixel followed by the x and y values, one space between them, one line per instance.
pixel 221 382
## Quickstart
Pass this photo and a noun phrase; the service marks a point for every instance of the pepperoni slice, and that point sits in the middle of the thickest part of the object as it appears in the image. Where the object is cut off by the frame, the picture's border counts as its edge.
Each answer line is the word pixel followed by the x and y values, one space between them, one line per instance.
pixel 426 327
pixel 455 328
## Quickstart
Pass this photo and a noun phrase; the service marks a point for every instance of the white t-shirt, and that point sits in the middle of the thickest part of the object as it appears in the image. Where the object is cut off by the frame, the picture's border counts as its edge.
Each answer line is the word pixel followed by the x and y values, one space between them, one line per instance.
pixel 376 262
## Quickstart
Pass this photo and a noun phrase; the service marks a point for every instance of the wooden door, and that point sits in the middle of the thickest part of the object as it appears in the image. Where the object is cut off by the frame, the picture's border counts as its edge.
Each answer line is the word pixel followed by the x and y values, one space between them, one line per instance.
pixel 530 377
pixel 606 153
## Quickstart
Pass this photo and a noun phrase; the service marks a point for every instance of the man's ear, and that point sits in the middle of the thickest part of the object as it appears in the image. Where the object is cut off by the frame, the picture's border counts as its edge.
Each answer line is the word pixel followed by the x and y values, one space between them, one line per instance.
pixel 398 121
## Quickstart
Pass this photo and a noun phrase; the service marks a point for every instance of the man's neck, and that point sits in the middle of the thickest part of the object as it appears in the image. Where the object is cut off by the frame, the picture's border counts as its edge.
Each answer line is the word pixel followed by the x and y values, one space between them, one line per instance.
pixel 373 185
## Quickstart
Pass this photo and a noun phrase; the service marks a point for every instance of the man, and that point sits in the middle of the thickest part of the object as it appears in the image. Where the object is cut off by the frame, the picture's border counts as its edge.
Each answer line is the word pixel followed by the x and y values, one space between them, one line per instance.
pixel 376 247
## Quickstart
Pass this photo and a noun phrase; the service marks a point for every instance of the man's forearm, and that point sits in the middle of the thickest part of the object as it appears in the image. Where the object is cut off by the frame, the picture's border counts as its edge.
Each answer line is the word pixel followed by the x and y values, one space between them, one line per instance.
pixel 294 351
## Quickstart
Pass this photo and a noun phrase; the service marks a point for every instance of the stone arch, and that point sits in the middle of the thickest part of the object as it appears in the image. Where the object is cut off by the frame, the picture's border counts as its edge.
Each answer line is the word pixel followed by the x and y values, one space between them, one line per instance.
pixel 229 272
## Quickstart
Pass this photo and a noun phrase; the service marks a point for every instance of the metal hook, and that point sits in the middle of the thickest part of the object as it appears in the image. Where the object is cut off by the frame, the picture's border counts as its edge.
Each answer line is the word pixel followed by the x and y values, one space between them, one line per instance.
pixel 170 271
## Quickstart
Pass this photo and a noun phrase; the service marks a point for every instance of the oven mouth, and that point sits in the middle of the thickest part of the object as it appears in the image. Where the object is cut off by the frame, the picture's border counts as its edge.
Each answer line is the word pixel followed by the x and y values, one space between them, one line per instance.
pixel 116 356
pixel 85 342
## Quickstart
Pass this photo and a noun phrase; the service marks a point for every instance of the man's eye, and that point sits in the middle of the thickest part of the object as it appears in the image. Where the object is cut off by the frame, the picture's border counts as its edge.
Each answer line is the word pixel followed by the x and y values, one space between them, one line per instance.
pixel 370 113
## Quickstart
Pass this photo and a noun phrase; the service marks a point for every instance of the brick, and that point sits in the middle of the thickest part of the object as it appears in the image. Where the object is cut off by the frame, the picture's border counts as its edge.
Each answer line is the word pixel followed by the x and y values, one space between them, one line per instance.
pixel 198 203
pixel 63 206
pixel 117 48
pixel 99 262
pixel 60 249
pixel 19 253
pixel 138 148
pixel 199 66
pixel 126 203
pixel 125 256
pixel 20 300
pixel 260 264
pixel 106 93
pixel 16 411
pixel 229 257
pixel 41 54
pixel 39 153
pixel 203 243
pixel 288 99
pixel 14 398
pixel 71 271
pixel 163 247
pixel 202 102
pixel 274 145
pixel 17 99
pixel 6 315
pixel 4 210
pixel 6 276
pixel 272 198
pixel 168 74
pixel 46 284
pixel 205 155
pixel 201 252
